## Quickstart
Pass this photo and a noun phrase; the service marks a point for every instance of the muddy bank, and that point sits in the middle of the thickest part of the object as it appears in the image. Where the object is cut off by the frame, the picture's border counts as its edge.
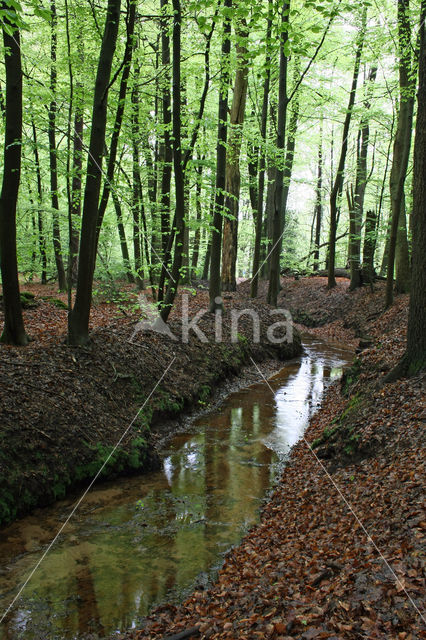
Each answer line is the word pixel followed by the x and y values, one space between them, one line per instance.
pixel 64 409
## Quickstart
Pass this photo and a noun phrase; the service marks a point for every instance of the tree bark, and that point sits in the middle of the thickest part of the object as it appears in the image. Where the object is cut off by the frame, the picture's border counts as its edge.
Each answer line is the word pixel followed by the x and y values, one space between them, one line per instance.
pixel 414 359
pixel 360 186
pixel 199 215
pixel 122 93
pixel 318 202
pixel 57 248
pixel 232 175
pixel 41 236
pixel 78 319
pixel 177 165
pixel 215 289
pixel 166 152
pixel 262 159
pixel 137 202
pixel 123 240
pixel 402 142
pixel 13 330
pixel 274 272
pixel 336 191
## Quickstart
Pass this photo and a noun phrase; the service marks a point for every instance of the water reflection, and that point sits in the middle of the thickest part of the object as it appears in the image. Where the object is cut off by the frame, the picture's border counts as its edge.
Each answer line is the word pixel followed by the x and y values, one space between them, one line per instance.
pixel 141 540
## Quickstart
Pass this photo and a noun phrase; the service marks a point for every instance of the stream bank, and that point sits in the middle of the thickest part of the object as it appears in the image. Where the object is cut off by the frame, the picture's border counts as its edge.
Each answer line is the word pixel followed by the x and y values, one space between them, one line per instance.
pixel 338 554
pixel 135 542
pixel 64 408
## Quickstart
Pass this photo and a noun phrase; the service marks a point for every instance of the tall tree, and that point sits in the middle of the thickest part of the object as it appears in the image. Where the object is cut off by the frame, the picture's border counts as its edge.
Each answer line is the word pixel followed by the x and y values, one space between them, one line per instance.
pixel 57 246
pixel 215 288
pixel 356 200
pixel 13 330
pixel 336 191
pixel 414 359
pixel 78 318
pixel 262 158
pixel 274 272
pixel 166 149
pixel 318 199
pixel 402 142
pixel 179 218
pixel 232 175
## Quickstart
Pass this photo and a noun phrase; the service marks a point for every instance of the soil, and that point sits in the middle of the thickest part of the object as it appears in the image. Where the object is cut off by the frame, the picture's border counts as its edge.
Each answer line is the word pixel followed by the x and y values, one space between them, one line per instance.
pixel 65 408
pixel 339 551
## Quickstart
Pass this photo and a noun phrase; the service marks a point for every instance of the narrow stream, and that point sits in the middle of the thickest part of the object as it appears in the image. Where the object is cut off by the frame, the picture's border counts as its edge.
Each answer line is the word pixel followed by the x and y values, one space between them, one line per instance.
pixel 138 541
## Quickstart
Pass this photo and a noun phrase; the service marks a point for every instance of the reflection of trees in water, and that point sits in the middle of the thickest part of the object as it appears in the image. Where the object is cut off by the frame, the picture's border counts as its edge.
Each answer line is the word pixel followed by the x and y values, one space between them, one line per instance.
pixel 88 611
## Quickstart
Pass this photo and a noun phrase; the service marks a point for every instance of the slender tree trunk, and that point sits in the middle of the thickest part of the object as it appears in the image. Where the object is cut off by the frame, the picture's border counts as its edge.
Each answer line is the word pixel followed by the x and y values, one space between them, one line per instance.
pixel 402 254
pixel 232 176
pixel 127 61
pixel 41 236
pixel 215 289
pixel 123 240
pixel 414 359
pixel 78 319
pixel 290 148
pixel 262 159
pixel 199 214
pixel 57 248
pixel 336 191
pixel 177 165
pixel 167 149
pixel 137 202
pixel 402 142
pixel 368 272
pixel 274 272
pixel 13 330
pixel 76 185
pixel 318 201
pixel 360 186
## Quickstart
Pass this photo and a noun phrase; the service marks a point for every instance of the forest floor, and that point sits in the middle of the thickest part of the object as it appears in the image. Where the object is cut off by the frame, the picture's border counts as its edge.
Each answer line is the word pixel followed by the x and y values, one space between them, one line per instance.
pixel 339 551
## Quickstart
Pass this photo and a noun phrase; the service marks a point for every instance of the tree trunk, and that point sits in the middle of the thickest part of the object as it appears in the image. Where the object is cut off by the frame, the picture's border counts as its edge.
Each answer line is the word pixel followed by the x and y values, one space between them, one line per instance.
pixel 368 272
pixel 166 152
pixel 318 202
pixel 232 176
pixel 122 235
pixel 13 330
pixel 262 159
pixel 414 359
pixel 402 254
pixel 215 289
pixel 137 202
pixel 360 186
pixel 57 248
pixel 402 142
pixel 127 61
pixel 78 319
pixel 199 212
pixel 41 236
pixel 336 191
pixel 76 186
pixel 177 165
pixel 274 272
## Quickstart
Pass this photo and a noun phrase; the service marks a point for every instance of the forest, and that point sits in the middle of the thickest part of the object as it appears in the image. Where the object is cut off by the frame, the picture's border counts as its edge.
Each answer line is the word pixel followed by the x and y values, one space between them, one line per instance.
pixel 177 177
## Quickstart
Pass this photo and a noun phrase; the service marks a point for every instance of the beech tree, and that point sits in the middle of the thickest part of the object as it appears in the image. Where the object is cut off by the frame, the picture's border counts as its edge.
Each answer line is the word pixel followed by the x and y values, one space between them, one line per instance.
pixel 414 358
pixel 78 319
pixel 13 331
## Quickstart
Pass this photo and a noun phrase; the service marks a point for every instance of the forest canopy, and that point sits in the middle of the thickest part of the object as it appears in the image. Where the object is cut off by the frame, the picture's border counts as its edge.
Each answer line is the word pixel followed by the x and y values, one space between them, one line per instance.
pixel 169 142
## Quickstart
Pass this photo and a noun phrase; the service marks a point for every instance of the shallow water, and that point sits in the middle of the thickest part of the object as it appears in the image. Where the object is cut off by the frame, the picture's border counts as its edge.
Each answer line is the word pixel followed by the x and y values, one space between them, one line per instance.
pixel 138 541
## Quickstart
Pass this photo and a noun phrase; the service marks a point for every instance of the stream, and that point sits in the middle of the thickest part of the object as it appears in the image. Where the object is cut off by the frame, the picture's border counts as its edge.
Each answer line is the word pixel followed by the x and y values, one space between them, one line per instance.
pixel 135 542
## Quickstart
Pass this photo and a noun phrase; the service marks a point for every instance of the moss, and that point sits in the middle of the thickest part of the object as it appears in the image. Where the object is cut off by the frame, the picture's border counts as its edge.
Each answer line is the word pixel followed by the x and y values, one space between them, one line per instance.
pixel 350 376
pixel 60 304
